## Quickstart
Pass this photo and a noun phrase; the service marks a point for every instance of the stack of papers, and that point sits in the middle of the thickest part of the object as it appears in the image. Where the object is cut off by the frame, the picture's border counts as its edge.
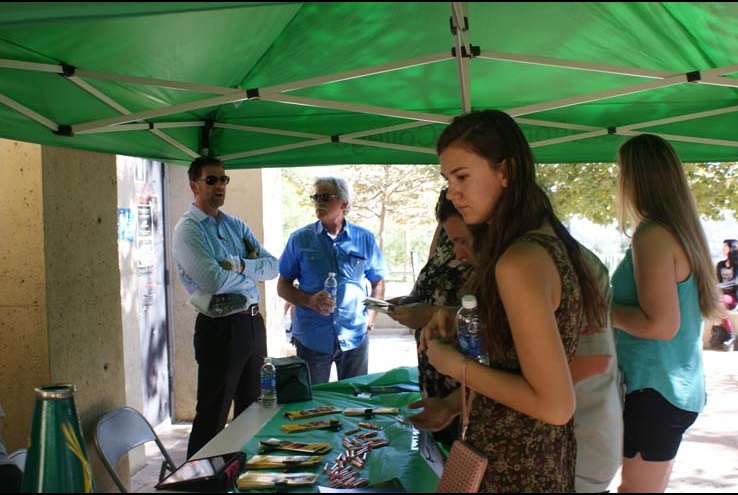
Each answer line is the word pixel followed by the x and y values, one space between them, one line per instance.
pixel 311 413
pixel 290 446
pixel 251 480
pixel 378 305
pixel 319 424
pixel 282 461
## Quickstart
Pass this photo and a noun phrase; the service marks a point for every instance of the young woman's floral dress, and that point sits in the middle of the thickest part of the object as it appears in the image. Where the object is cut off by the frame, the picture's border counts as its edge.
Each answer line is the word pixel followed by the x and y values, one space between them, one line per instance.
pixel 439 283
pixel 525 454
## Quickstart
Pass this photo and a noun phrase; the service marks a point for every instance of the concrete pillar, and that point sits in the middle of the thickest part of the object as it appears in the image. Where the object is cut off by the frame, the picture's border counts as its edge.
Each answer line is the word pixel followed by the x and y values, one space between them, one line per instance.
pixel 60 317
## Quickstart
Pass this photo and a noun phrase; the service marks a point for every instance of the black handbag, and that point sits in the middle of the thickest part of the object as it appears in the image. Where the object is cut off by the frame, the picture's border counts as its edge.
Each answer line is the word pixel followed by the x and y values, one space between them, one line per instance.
pixel 718 335
pixel 293 380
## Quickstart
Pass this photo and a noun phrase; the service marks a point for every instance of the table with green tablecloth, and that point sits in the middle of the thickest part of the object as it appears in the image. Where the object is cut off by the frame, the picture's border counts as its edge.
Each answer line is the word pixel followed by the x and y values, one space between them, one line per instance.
pixel 401 459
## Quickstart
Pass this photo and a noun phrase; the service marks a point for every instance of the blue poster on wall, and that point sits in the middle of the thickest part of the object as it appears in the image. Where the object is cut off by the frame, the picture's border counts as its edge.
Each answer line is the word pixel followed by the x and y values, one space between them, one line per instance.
pixel 126 227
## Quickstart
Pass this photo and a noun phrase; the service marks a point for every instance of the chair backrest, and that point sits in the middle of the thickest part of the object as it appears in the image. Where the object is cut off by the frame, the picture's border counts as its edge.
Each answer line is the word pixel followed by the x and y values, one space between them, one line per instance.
pixel 122 430
pixel 18 456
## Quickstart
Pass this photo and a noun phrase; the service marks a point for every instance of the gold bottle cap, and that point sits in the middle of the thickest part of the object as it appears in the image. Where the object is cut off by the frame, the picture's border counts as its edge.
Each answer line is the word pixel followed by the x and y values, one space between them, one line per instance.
pixel 55 391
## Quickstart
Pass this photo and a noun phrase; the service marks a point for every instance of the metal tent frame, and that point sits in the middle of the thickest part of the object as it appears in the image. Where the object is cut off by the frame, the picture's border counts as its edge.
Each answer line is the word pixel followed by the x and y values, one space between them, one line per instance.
pixel 214 119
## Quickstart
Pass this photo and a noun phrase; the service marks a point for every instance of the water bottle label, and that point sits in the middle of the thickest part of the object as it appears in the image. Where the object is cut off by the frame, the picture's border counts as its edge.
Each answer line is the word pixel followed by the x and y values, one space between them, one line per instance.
pixel 469 345
pixel 331 287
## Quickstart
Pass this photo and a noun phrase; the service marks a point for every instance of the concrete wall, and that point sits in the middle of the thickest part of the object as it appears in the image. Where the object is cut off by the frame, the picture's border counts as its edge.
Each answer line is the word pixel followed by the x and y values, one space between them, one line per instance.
pixel 83 278
pixel 23 327
pixel 60 317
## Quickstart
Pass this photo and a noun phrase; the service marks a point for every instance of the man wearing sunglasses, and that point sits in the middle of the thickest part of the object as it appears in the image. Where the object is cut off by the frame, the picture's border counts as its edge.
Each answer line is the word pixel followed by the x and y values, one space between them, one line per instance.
pixel 327 331
pixel 220 261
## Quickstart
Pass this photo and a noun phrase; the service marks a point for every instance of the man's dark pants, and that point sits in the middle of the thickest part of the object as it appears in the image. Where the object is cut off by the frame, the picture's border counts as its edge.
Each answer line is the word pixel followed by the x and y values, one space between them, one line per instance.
pixel 229 353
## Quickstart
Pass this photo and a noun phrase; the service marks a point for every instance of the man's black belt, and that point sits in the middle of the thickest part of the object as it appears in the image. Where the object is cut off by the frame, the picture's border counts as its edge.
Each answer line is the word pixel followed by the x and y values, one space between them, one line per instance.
pixel 228 303
pixel 252 310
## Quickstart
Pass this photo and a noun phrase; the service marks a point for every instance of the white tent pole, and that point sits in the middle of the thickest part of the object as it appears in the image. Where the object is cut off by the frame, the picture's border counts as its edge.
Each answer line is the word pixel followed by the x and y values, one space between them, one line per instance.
pixel 122 78
pixel 148 114
pixel 680 118
pixel 597 96
pixel 630 130
pixel 353 74
pixel 31 66
pixel 98 94
pixel 687 139
pixel 174 142
pixel 326 140
pixel 264 130
pixel 391 146
pixel 571 64
pixel 463 54
pixel 120 108
pixel 351 107
pixel 275 149
pixel 317 139
pixel 144 126
pixel 372 132
pixel 712 80
pixel 557 125
pixel 720 71
pixel 28 112
pixel 147 81
pixel 566 139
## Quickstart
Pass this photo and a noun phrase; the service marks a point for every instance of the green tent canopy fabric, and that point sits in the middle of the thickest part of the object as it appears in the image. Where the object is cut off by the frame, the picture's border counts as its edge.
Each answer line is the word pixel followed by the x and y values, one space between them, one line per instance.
pixel 298 84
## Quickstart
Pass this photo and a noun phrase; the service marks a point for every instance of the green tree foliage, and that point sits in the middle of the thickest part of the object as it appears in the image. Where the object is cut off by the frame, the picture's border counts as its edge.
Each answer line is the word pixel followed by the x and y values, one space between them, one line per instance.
pixel 397 202
pixel 589 189
pixel 715 188
pixel 402 194
pixel 586 189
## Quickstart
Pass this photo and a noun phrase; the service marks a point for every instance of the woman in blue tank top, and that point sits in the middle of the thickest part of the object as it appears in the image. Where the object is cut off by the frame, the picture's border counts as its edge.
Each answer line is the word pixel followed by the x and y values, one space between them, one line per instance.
pixel 661 291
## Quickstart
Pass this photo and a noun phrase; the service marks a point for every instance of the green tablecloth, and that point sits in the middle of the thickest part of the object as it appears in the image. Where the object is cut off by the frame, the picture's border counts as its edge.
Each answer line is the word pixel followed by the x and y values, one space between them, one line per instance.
pixel 400 459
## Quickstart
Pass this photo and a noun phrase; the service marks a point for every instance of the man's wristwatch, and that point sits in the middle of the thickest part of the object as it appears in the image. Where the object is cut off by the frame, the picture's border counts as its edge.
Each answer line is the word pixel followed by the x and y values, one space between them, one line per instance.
pixel 370 326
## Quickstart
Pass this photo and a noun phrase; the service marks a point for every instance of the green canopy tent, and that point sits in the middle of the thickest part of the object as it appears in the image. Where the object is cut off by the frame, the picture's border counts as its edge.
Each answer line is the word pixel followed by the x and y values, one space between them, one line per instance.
pixel 291 84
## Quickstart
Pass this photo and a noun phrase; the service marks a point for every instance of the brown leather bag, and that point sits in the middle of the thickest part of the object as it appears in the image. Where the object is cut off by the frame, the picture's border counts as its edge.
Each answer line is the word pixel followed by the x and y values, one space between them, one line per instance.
pixel 465 466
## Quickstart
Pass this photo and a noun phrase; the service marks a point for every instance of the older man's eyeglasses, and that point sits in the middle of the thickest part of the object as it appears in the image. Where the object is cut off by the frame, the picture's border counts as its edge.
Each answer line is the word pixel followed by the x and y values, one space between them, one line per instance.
pixel 322 197
pixel 211 180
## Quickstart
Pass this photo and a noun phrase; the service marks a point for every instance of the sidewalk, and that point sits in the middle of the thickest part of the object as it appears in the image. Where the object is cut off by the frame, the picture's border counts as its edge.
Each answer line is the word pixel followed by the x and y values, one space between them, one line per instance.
pixel 707 461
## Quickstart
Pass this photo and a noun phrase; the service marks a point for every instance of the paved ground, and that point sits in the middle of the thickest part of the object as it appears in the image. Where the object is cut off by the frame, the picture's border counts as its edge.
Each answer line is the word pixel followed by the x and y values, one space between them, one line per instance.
pixel 707 461
pixel 708 457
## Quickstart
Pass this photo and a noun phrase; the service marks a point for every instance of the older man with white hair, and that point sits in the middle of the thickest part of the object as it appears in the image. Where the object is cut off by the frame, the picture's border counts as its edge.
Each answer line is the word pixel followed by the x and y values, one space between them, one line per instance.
pixel 326 330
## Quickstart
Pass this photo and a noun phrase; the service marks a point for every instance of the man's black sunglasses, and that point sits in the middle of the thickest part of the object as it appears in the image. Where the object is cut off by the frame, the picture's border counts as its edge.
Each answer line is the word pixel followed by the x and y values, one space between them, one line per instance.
pixel 211 180
pixel 322 197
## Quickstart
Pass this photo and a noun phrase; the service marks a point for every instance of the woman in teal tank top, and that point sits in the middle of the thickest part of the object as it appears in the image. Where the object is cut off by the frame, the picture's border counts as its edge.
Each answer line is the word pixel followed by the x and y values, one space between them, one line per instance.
pixel 661 291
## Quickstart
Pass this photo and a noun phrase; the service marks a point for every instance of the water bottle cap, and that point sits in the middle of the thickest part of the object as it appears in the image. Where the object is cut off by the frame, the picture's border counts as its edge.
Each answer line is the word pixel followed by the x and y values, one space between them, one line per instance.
pixel 331 274
pixel 267 359
pixel 469 301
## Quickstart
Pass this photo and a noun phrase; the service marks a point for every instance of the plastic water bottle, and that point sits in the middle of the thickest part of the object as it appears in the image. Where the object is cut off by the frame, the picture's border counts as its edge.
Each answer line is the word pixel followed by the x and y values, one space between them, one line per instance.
pixel 469 329
pixel 331 285
pixel 268 383
pixel 287 323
